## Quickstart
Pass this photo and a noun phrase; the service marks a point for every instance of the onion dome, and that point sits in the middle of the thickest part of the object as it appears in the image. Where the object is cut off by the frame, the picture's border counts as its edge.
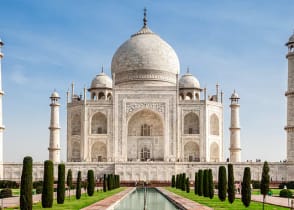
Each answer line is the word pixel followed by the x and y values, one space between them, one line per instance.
pixel 145 57
pixel 291 40
pixel 189 81
pixel 54 95
pixel 234 95
pixel 101 81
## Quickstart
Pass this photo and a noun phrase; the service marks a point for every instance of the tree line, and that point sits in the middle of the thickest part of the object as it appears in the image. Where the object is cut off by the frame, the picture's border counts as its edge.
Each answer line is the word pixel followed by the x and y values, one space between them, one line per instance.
pixel 204 185
pixel 110 182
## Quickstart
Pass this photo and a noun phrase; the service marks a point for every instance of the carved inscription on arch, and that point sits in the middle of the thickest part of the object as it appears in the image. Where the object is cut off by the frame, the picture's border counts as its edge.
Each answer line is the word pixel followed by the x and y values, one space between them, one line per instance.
pixel 158 107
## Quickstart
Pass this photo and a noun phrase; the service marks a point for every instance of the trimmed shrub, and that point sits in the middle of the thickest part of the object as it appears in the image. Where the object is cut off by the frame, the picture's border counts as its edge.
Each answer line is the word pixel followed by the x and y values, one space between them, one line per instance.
pixel 6 193
pixel 8 184
pixel 69 181
pixel 205 183
pixel 91 182
pixel 265 179
pixel 47 193
pixel 61 184
pixel 79 185
pixel 37 184
pixel 104 183
pixel 196 184
pixel 200 182
pixel 246 190
pixel 183 182
pixel 173 181
pixel 187 185
pixel 285 193
pixel 210 184
pixel 222 183
pixel 26 186
pixel 39 189
pixel 231 183
pixel 255 184
pixel 108 182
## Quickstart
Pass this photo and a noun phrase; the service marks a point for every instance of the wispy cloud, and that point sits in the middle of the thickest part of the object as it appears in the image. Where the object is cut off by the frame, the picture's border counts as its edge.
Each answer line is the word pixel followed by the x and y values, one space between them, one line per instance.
pixel 18 76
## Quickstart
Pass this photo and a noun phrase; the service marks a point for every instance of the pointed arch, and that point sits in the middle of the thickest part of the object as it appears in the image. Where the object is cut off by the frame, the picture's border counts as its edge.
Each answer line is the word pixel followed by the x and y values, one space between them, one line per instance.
pixel 75 124
pixel 191 152
pixel 191 123
pixel 109 96
pixel 76 152
pixel 101 95
pixel 145 123
pixel 99 124
pixel 189 96
pixel 214 125
pixel 99 152
pixel 214 152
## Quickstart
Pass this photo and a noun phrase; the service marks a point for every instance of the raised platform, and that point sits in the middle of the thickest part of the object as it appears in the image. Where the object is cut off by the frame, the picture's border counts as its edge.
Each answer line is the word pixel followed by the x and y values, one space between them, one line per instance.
pixel 154 171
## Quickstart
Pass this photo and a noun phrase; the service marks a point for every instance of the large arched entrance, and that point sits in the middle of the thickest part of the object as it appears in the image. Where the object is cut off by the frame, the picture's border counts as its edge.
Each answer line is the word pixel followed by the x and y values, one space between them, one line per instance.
pixel 145 137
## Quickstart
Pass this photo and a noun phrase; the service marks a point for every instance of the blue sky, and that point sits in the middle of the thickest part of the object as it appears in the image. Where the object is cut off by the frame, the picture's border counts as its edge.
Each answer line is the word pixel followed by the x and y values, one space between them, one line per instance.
pixel 239 44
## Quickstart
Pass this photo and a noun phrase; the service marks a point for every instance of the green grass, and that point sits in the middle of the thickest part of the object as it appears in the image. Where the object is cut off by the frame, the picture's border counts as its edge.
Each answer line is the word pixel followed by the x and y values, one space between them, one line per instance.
pixel 276 192
pixel 216 204
pixel 74 204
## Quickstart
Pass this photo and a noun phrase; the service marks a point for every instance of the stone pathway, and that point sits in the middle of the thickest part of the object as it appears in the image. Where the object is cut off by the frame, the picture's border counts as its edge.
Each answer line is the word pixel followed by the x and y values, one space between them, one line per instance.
pixel 184 202
pixel 110 201
pixel 270 200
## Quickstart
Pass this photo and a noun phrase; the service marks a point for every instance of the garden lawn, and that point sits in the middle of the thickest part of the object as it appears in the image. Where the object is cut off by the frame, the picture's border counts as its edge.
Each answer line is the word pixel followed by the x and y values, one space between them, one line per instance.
pixel 216 204
pixel 84 201
pixel 276 192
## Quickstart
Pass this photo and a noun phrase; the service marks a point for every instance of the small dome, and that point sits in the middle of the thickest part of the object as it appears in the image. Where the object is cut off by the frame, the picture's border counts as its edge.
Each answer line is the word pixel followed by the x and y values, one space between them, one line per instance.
pixel 291 40
pixel 54 95
pixel 101 81
pixel 189 81
pixel 234 95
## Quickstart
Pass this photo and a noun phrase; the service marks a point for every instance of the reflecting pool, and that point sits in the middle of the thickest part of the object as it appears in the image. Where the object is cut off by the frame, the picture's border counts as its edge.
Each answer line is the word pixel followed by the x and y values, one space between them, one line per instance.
pixel 154 201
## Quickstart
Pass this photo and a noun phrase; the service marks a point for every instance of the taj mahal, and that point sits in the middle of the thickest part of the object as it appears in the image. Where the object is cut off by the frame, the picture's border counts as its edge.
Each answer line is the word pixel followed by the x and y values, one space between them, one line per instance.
pixel 149 120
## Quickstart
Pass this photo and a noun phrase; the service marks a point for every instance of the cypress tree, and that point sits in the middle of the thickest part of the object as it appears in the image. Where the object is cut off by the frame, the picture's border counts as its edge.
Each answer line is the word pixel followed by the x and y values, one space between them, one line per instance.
pixel 265 179
pixel 246 189
pixel 69 180
pixel 79 185
pixel 61 184
pixel 173 181
pixel 187 185
pixel 108 182
pixel 104 183
pixel 231 183
pixel 222 183
pixel 205 183
pixel 26 185
pixel 118 181
pixel 184 182
pixel 47 193
pixel 210 184
pixel 196 184
pixel 200 182
pixel 91 182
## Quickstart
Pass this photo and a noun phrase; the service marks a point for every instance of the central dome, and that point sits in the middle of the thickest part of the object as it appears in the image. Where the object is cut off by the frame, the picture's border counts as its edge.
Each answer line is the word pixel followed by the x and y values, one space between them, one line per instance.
pixel 146 58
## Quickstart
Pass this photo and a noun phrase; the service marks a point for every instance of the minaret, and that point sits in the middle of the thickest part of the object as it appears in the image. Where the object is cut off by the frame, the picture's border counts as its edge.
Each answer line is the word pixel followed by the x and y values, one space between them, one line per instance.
pixel 235 148
pixel 54 144
pixel 290 100
pixel 2 127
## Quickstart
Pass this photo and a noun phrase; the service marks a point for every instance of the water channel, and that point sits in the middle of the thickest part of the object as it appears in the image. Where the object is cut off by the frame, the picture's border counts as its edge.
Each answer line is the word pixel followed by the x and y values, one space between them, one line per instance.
pixel 154 201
